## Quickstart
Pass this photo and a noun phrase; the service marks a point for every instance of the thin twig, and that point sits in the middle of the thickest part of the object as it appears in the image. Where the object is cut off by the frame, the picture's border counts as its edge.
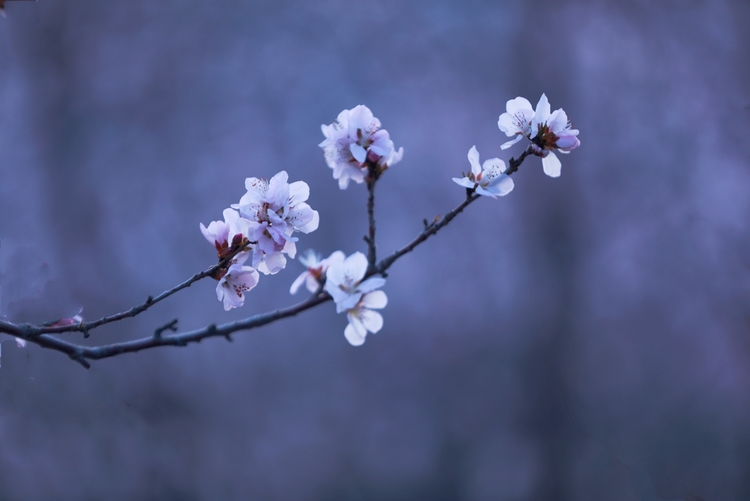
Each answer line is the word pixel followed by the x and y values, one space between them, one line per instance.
pixel 136 310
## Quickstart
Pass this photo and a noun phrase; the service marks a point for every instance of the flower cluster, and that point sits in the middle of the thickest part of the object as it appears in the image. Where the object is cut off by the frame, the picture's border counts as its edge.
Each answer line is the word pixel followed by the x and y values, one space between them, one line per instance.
pixel 355 296
pixel 261 225
pixel 545 130
pixel 355 142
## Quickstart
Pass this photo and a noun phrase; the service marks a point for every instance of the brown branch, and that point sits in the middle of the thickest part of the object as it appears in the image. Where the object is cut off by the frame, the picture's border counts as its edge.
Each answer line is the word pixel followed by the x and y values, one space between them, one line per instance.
pixel 370 238
pixel 81 353
pixel 85 327
pixel 43 337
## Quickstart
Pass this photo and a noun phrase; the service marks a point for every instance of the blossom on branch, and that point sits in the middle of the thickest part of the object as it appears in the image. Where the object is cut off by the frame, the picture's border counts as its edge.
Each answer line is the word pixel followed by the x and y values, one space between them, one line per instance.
pixel 545 130
pixel 234 283
pixel 344 281
pixel 488 179
pixel 315 275
pixel 228 235
pixel 356 297
pixel 354 140
pixel 274 210
pixel 362 318
pixel 516 121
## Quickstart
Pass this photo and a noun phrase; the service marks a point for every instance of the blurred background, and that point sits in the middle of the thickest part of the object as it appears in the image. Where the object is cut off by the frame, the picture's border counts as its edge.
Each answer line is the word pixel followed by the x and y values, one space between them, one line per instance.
pixel 584 338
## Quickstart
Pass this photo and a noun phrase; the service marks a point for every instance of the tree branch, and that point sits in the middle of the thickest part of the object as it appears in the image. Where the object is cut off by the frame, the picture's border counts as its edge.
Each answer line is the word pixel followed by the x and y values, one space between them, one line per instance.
pixel 43 335
pixel 136 310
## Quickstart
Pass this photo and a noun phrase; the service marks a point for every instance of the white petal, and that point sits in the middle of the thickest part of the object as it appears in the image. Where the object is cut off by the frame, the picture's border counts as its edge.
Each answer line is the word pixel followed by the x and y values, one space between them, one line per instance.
pixel 348 302
pixel 356 266
pixel 541 114
pixel 298 282
pixel 486 193
pixel 557 121
pixel 551 165
pixel 502 187
pixel 506 123
pixel 567 143
pixel 518 104
pixel 273 263
pixel 371 284
pixel 335 257
pixel 312 284
pixel 465 182
pixel 474 160
pixel 358 152
pixel 372 320
pixel 510 143
pixel 354 337
pixel 299 191
pixel 312 225
pixel 375 299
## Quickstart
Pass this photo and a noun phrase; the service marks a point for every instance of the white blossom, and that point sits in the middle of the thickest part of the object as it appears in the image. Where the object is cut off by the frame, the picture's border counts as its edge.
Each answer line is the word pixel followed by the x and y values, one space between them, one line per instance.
pixel 545 130
pixel 362 318
pixel 516 121
pixel 488 179
pixel 344 281
pixel 316 270
pixel 232 286
pixel 354 139
pixel 275 209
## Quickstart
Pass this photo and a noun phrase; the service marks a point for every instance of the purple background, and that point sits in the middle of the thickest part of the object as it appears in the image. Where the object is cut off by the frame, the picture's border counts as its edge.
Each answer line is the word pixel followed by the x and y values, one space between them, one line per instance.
pixel 586 337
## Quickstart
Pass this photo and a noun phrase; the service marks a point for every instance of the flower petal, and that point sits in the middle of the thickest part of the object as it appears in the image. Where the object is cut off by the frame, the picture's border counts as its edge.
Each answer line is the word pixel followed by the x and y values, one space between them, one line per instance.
pixel 358 152
pixel 465 182
pixel 551 165
pixel 371 284
pixel 372 320
pixel 354 337
pixel 298 282
pixel 375 299
pixel 510 143
pixel 474 160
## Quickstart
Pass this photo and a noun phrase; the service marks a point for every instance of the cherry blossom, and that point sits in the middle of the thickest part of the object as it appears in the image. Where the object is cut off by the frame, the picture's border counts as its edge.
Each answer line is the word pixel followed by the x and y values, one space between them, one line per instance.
pixel 275 209
pixel 547 131
pixel 227 235
pixel 487 179
pixel 354 139
pixel 315 274
pixel 234 283
pixel 362 318
pixel 516 121
pixel 344 281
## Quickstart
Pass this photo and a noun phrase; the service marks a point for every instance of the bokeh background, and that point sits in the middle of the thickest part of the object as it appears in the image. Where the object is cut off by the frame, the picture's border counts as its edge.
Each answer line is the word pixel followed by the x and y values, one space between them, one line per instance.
pixel 584 338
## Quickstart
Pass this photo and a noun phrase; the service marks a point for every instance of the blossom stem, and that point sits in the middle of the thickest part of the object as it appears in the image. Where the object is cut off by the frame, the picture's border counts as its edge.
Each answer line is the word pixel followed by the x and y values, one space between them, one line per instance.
pixel 370 239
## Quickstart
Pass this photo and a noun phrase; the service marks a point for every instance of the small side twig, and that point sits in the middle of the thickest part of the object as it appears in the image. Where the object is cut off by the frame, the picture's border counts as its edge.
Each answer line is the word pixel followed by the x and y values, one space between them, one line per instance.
pixel 172 326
